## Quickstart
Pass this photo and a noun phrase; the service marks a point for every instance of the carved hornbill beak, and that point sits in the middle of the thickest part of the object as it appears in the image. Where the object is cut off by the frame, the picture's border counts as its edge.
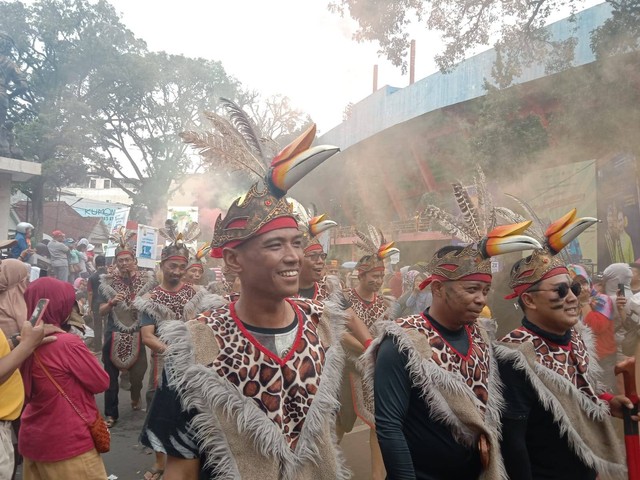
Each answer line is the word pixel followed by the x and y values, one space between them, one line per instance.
pixel 561 232
pixel 508 239
pixel 319 224
pixel 387 250
pixel 296 160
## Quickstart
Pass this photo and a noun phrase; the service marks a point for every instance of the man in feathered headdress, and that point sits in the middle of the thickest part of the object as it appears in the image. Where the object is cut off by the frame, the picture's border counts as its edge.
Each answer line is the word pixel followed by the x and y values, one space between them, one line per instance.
pixel 369 306
pixel 197 262
pixel 123 350
pixel 262 373
pixel 555 420
pixel 435 382
pixel 172 300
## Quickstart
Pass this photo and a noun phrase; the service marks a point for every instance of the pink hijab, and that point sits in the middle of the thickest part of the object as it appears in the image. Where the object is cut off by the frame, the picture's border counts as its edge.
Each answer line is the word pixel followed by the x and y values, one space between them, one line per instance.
pixel 61 295
pixel 13 282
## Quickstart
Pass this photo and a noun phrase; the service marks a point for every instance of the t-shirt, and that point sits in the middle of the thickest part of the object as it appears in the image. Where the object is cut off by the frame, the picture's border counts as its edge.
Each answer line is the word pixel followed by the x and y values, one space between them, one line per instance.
pixel 58 252
pixel 12 390
pixel 93 286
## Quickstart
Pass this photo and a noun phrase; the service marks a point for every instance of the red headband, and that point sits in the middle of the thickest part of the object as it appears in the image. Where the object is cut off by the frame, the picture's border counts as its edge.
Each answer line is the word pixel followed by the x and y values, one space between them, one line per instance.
pixel 125 252
pixel 313 247
pixel 522 288
pixel 275 224
pixel 197 265
pixel 176 257
pixel 473 277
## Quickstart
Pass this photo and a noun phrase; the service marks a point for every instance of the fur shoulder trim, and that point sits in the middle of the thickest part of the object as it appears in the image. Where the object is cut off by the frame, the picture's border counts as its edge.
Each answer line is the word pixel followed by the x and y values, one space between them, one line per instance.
pixel 201 388
pixel 544 381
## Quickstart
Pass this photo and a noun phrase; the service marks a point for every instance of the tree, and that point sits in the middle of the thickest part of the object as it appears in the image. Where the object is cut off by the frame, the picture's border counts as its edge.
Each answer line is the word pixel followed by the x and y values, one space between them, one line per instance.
pixel 150 100
pixel 100 102
pixel 465 26
pixel 59 44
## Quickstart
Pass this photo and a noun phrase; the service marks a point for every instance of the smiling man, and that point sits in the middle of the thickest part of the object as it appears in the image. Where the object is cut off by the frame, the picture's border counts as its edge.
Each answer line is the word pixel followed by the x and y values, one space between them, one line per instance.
pixel 436 387
pixel 555 420
pixel 252 386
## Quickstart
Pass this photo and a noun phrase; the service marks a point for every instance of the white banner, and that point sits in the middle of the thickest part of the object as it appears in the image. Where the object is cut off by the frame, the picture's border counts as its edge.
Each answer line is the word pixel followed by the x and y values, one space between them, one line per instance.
pixel 146 246
pixel 120 218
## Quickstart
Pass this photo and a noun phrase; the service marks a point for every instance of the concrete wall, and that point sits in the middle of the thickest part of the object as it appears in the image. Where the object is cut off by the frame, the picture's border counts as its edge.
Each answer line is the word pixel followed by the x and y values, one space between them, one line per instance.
pixel 390 106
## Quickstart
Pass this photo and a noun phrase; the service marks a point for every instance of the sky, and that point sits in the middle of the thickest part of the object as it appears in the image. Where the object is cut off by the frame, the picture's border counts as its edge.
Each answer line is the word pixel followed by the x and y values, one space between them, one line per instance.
pixel 296 48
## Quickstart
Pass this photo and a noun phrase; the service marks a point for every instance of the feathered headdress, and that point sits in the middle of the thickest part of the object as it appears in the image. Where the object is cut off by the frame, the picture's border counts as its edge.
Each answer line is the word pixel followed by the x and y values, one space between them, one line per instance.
pixel 546 261
pixel 179 240
pixel 311 225
pixel 376 249
pixel 198 257
pixel 477 228
pixel 121 237
pixel 234 144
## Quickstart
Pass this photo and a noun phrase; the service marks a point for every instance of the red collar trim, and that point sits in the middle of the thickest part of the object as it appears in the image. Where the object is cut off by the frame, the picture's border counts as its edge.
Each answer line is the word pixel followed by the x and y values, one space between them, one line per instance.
pixel 365 303
pixel 262 348
pixel 467 328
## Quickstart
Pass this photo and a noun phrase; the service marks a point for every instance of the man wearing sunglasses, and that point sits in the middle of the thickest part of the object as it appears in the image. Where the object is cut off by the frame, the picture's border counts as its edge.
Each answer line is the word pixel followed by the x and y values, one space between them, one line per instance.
pixel 555 421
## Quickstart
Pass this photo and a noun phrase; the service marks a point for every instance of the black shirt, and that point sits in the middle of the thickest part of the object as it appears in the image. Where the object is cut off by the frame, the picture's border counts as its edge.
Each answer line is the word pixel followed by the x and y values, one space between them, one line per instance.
pixel 532 445
pixel 413 445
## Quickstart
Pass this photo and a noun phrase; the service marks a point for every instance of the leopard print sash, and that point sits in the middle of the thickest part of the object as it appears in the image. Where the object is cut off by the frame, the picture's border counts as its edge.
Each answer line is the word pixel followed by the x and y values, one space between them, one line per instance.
pixel 368 313
pixel 124 315
pixel 570 362
pixel 473 366
pixel 283 388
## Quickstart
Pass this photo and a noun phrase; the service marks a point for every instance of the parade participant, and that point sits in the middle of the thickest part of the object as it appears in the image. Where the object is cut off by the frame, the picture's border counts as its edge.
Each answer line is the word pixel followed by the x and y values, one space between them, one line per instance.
pixel 59 256
pixel 173 299
pixel 195 269
pixel 262 392
pixel 555 421
pixel 23 250
pixel 369 306
pixel 435 380
pixel 123 350
pixel 315 286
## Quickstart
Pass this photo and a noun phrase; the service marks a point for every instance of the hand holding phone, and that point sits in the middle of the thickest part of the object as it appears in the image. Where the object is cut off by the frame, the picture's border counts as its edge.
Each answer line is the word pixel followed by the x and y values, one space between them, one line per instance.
pixel 38 312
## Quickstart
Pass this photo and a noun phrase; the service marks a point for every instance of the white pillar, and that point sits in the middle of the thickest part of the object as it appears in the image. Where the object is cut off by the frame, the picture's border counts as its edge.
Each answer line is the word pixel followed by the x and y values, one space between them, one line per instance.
pixel 5 204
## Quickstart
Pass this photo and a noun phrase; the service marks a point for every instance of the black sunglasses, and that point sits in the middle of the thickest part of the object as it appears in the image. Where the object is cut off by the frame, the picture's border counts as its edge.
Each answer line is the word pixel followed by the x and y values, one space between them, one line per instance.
pixel 562 290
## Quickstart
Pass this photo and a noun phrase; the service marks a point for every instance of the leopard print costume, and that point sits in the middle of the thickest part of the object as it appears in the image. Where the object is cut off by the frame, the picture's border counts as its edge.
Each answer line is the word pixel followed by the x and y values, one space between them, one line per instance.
pixel 283 388
pixel 570 362
pixel 565 382
pixel 472 365
pixel 124 315
pixel 369 313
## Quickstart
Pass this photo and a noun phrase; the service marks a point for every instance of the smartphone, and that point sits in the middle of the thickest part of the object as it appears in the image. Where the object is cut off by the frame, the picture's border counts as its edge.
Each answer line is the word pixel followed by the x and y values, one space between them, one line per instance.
pixel 621 289
pixel 38 312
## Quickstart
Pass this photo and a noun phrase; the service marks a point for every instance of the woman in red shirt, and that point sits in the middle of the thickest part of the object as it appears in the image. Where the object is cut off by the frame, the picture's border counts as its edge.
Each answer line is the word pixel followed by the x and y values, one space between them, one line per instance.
pixel 54 440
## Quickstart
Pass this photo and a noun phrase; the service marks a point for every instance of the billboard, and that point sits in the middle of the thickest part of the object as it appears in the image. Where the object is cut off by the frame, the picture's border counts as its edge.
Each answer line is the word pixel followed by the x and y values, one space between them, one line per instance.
pixel 559 189
pixel 619 210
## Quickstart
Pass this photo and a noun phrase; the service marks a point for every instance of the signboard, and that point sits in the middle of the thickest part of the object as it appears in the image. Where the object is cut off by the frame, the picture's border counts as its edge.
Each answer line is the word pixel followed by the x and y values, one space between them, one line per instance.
pixel 557 190
pixel 619 210
pixel 146 245
pixel 182 216
pixel 120 218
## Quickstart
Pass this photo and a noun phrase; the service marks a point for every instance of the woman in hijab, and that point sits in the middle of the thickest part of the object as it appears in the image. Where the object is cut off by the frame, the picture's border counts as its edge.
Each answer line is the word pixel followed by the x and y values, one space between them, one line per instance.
pixel 597 312
pixel 13 282
pixel 49 419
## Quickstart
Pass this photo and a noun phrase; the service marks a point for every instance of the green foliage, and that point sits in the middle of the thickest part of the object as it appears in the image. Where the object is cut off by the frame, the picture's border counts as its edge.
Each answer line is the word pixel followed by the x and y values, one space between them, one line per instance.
pixel 513 27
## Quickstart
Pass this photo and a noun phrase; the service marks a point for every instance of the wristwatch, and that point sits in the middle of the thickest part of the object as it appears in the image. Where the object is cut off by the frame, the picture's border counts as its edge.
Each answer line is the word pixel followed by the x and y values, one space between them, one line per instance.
pixel 14 340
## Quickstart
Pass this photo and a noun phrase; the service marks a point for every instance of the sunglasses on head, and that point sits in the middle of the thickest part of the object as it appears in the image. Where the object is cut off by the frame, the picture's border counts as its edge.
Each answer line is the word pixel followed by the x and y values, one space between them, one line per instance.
pixel 562 290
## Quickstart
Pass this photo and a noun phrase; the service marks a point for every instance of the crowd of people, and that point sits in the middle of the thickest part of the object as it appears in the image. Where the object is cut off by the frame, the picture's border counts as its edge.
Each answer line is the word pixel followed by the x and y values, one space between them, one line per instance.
pixel 261 373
